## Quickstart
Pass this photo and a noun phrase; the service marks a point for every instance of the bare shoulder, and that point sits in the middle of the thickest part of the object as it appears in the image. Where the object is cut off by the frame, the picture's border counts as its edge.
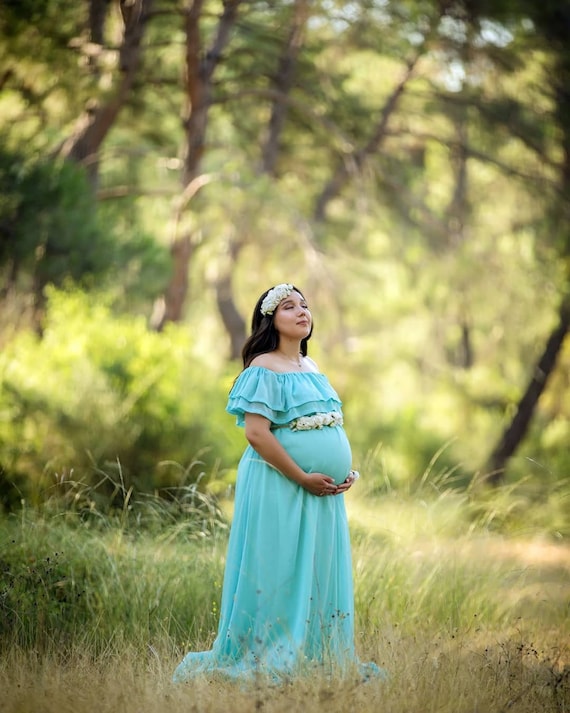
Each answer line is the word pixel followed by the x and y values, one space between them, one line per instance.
pixel 268 361
pixel 311 364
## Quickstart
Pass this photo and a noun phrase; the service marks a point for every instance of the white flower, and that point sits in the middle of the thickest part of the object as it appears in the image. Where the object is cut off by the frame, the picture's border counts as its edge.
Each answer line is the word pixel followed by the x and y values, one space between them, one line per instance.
pixel 274 297
pixel 318 420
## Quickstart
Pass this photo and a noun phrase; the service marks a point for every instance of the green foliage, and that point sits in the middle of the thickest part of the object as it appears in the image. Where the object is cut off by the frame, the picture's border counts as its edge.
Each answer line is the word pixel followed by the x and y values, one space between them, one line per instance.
pixel 74 583
pixel 42 14
pixel 434 275
pixel 49 223
pixel 101 392
pixel 47 74
pixel 75 577
pixel 52 233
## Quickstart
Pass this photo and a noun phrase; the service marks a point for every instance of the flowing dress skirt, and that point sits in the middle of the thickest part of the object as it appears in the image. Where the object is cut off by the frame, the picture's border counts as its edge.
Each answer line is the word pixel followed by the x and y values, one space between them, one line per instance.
pixel 287 598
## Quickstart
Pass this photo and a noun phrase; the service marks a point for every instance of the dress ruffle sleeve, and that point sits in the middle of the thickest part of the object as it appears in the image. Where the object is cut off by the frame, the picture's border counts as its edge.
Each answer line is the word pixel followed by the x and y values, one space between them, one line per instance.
pixel 280 397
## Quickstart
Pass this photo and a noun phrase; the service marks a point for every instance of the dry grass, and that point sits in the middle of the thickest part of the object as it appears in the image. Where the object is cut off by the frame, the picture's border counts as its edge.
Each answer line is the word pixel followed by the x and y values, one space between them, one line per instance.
pixel 445 675
pixel 464 621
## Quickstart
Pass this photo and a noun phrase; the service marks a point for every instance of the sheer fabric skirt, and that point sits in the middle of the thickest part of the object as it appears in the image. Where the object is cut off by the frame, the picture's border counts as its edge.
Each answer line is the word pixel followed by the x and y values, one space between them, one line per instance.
pixel 287 598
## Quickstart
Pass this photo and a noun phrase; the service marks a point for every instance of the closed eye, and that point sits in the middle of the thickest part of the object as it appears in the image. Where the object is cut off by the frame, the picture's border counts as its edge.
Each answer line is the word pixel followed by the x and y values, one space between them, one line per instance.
pixel 291 305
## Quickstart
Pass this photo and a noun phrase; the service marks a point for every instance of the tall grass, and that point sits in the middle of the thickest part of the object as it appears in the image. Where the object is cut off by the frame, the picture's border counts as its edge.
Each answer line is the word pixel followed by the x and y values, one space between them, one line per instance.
pixel 98 606
pixel 71 573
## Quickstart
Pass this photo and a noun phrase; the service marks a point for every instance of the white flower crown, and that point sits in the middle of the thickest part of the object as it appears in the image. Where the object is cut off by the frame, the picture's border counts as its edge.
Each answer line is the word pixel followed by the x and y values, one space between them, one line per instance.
pixel 274 297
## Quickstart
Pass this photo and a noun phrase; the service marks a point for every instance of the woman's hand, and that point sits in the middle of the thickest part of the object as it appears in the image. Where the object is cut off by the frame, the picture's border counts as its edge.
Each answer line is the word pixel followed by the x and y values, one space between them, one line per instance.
pixel 348 483
pixel 319 484
pixel 263 441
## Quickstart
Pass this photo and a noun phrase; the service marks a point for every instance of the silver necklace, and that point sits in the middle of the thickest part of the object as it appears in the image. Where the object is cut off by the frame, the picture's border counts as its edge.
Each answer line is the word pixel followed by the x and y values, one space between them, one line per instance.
pixel 296 361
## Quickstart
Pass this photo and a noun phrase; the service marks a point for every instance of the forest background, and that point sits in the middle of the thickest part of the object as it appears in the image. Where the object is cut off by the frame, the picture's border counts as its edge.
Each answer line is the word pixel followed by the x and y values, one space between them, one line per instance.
pixel 406 163
pixel 162 162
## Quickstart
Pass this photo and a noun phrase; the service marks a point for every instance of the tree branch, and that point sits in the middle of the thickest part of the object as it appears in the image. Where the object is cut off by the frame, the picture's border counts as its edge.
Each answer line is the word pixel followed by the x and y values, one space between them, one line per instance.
pixel 518 427
pixel 92 128
pixel 354 162
pixel 199 71
pixel 283 83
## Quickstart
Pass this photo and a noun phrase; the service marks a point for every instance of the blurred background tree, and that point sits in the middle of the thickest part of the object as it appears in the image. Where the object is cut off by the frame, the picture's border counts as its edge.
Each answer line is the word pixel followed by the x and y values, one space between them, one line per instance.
pixel 406 163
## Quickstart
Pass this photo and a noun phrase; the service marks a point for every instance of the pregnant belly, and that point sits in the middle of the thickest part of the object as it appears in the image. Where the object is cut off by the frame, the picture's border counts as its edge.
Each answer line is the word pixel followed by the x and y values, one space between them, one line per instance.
pixel 323 450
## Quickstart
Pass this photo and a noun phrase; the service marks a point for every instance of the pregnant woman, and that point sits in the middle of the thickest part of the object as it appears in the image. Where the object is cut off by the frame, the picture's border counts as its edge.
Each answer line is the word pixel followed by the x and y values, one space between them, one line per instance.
pixel 287 601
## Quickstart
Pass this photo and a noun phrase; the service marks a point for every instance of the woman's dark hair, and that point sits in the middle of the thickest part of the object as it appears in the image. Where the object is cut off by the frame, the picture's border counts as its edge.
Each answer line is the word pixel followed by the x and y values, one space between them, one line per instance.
pixel 264 337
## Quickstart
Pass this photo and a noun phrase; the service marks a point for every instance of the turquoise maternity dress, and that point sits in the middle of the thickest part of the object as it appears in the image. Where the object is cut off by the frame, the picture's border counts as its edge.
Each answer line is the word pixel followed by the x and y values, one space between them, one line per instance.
pixel 287 599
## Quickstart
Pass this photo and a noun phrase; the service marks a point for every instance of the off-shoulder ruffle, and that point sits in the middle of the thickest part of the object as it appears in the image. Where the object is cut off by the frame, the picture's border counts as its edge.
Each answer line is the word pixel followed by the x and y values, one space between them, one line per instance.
pixel 281 397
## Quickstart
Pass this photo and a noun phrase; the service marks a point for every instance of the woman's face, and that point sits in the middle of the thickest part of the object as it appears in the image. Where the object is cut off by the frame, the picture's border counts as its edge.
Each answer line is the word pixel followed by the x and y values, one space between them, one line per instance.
pixel 293 318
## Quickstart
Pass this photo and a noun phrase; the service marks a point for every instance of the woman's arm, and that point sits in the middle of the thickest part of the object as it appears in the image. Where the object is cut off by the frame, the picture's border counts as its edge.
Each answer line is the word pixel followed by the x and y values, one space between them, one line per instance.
pixel 259 435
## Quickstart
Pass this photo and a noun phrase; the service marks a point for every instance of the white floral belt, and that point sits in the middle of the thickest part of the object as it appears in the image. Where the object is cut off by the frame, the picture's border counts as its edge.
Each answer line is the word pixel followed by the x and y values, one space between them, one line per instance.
pixel 308 423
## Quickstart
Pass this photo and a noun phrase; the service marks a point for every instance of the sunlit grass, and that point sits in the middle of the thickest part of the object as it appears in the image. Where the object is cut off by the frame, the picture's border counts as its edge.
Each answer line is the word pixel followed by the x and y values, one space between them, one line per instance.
pixel 96 611
pixel 429 672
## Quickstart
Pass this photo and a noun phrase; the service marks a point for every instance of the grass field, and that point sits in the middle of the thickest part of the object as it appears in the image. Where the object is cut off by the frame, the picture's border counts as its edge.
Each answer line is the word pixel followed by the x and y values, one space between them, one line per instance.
pixel 466 616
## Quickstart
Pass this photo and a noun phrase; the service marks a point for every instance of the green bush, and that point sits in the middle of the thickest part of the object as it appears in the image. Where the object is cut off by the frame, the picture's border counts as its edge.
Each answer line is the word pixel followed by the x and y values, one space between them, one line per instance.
pixel 53 232
pixel 49 227
pixel 102 398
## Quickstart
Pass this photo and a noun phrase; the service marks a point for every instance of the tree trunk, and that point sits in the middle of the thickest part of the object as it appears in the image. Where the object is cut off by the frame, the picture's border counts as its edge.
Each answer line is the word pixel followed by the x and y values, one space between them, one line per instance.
pixel 557 35
pixel 232 319
pixel 200 68
pixel 283 83
pixel 517 429
pixel 458 209
pixel 284 79
pixel 92 128
pixel 97 17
